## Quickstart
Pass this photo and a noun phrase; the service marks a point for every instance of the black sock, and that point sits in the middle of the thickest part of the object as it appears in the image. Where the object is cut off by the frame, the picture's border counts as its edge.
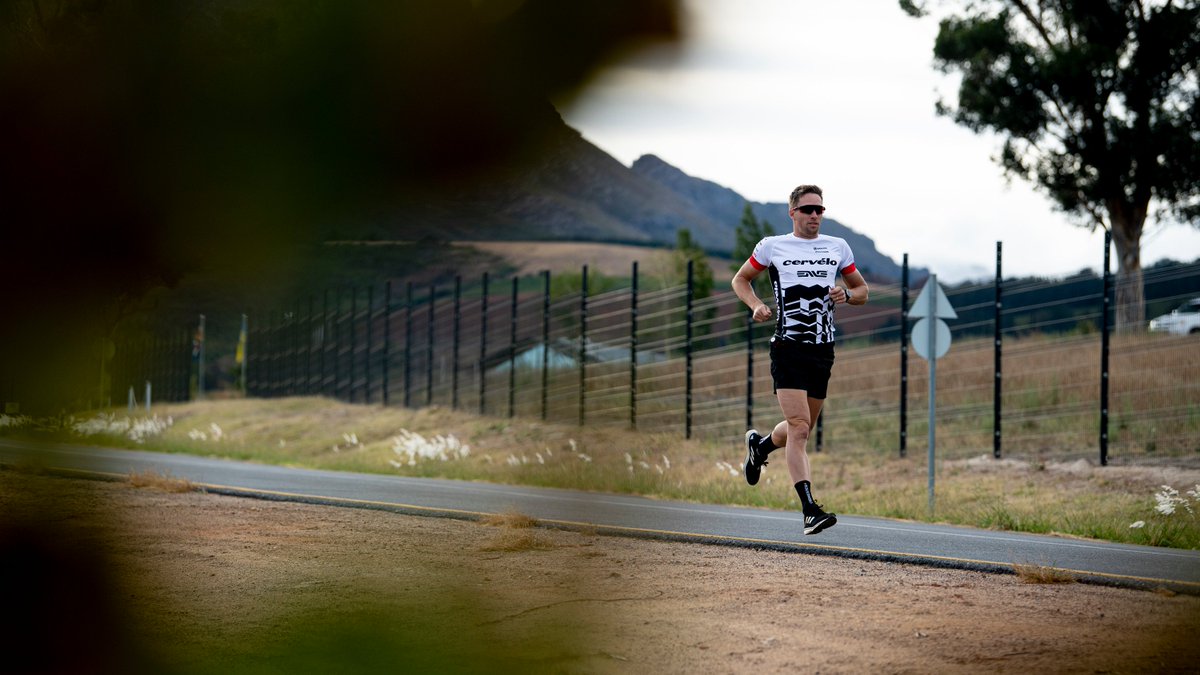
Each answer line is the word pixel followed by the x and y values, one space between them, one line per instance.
pixel 765 446
pixel 804 489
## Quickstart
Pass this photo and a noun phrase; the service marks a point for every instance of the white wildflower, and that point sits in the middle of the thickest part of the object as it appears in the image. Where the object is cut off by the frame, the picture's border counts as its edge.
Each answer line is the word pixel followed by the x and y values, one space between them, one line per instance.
pixel 136 429
pixel 666 462
pixel 628 458
pixel 644 465
pixel 1168 499
pixel 197 435
pixel 540 459
pixel 584 457
pixel 216 431
pixel 412 446
pixel 1138 524
pixel 351 439
pixel 726 466
pixel 141 429
pixel 574 447
pixel 14 421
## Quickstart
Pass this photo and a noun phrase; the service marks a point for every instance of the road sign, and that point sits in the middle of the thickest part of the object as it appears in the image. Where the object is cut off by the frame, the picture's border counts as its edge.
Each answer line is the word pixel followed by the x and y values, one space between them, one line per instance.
pixel 941 339
pixel 931 339
pixel 932 302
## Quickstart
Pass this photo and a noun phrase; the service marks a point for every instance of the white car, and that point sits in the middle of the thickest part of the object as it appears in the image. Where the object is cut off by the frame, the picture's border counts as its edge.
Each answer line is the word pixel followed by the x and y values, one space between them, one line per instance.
pixel 1181 321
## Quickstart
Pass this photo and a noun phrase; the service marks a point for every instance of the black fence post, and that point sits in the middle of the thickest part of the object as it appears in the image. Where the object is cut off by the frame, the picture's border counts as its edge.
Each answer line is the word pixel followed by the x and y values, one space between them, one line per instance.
pixel 633 345
pixel 512 352
pixel 408 315
pixel 308 355
pixel 545 342
pixel 429 346
pixel 180 363
pixel 996 406
pixel 749 369
pixel 298 349
pixel 357 337
pixel 337 343
pixel 326 340
pixel 269 355
pixel 904 357
pixel 456 340
pixel 687 353
pixel 483 347
pixel 370 319
pixel 1105 329
pixel 583 317
pixel 386 357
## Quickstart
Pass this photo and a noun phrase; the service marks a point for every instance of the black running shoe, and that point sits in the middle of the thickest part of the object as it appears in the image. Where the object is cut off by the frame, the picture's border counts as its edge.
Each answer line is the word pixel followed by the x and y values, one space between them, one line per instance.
pixel 753 466
pixel 818 520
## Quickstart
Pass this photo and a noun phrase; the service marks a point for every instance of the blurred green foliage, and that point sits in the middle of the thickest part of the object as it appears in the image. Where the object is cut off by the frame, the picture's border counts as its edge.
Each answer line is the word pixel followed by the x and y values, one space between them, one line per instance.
pixel 149 140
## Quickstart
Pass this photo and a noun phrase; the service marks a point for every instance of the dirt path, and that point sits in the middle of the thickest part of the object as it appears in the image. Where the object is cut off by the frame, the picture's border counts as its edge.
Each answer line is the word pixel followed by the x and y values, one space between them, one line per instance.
pixel 200 583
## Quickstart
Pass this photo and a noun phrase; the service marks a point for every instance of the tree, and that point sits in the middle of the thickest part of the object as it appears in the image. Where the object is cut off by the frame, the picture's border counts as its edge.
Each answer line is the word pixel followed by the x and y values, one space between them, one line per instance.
pixel 749 232
pixel 686 249
pixel 1097 105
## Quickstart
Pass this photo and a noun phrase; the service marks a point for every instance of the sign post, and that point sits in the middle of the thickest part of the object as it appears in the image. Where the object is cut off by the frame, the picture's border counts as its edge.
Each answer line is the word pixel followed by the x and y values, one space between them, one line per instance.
pixel 931 339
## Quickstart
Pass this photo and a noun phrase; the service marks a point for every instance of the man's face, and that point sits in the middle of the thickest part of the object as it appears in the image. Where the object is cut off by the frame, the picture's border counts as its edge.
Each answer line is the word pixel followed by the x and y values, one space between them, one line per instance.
pixel 807 214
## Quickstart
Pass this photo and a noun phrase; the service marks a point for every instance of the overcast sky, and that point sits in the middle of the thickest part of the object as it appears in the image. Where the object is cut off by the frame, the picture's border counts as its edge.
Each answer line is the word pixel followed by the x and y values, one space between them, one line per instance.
pixel 768 94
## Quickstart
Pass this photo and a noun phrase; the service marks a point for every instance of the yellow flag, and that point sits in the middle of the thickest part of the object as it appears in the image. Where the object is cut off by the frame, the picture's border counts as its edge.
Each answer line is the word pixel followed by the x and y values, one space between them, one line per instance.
pixel 240 355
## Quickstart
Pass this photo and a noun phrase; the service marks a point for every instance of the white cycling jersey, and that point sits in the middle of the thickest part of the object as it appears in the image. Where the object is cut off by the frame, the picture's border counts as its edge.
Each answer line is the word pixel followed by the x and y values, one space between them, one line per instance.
pixel 802 272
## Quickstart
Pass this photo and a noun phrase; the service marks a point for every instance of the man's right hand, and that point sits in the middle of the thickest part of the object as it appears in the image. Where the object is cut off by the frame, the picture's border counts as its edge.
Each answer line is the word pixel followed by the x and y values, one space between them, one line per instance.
pixel 762 313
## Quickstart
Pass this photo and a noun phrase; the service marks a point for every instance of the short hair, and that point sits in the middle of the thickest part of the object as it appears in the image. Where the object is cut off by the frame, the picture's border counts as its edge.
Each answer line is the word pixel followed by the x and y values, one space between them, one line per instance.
pixel 802 190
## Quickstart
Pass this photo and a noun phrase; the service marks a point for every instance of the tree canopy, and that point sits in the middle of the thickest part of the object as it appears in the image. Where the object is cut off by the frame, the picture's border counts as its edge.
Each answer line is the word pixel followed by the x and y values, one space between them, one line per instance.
pixel 1096 103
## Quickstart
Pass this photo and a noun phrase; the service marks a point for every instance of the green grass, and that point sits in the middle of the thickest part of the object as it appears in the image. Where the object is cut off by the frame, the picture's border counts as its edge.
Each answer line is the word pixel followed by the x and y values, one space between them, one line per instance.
pixel 1027 495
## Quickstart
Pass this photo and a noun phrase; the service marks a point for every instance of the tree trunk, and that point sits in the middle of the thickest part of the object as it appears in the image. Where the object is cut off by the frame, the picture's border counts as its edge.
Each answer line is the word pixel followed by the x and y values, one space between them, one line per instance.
pixel 1130 302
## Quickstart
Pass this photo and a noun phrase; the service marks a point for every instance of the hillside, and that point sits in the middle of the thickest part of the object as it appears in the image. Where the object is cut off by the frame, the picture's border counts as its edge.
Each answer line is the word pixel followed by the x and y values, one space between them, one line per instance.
pixel 567 189
pixel 726 205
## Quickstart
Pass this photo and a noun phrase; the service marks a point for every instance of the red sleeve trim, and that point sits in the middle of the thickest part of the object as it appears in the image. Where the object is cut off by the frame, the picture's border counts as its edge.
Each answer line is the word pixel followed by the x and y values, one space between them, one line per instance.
pixel 757 265
pixel 850 269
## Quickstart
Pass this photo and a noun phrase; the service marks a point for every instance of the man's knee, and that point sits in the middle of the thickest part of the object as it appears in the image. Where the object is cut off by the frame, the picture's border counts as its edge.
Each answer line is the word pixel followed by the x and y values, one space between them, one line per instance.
pixel 799 429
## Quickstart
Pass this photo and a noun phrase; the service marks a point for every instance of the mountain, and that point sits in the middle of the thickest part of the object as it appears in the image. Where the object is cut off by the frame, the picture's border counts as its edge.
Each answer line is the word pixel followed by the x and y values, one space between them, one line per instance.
pixel 569 189
pixel 726 205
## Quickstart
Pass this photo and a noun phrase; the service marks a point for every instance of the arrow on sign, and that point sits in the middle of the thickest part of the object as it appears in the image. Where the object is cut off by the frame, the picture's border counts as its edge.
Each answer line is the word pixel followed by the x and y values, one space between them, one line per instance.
pixel 923 307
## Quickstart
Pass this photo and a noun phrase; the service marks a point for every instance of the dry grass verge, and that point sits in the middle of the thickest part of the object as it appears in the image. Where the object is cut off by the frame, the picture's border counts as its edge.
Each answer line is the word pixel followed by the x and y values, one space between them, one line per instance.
pixel 163 482
pixel 517 533
pixel 510 518
pixel 1041 574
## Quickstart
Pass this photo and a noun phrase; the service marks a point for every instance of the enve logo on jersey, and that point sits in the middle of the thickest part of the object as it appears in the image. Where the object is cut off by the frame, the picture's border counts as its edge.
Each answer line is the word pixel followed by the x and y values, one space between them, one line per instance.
pixel 811 273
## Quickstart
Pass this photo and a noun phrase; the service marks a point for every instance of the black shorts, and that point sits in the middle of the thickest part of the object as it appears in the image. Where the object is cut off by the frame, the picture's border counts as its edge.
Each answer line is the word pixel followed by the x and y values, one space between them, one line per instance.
pixel 796 365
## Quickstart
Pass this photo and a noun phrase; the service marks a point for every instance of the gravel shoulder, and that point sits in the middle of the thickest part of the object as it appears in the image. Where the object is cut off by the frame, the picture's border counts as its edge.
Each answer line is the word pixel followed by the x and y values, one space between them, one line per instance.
pixel 121 579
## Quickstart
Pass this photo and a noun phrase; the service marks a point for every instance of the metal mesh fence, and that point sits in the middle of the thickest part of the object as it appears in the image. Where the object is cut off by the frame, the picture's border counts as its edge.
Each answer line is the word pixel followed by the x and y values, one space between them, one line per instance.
pixel 630 357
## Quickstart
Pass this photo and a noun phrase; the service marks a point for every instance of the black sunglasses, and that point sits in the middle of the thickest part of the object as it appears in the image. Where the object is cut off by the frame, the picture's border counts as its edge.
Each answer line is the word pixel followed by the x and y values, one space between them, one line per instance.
pixel 809 209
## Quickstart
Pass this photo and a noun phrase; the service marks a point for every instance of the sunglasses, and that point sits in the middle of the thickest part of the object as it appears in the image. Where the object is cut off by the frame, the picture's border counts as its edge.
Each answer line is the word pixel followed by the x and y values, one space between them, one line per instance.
pixel 809 209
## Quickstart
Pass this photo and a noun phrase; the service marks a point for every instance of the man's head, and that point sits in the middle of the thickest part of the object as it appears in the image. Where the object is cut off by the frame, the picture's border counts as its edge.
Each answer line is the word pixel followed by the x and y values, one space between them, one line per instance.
pixel 802 190
pixel 806 206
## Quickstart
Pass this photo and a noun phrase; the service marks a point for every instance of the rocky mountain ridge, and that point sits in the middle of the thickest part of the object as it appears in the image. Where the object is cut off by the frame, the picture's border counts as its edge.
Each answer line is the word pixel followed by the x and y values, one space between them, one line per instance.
pixel 569 189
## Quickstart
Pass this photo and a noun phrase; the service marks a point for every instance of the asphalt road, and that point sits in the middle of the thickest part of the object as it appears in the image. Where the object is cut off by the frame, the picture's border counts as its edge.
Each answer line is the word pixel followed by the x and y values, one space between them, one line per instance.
pixel 855 537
